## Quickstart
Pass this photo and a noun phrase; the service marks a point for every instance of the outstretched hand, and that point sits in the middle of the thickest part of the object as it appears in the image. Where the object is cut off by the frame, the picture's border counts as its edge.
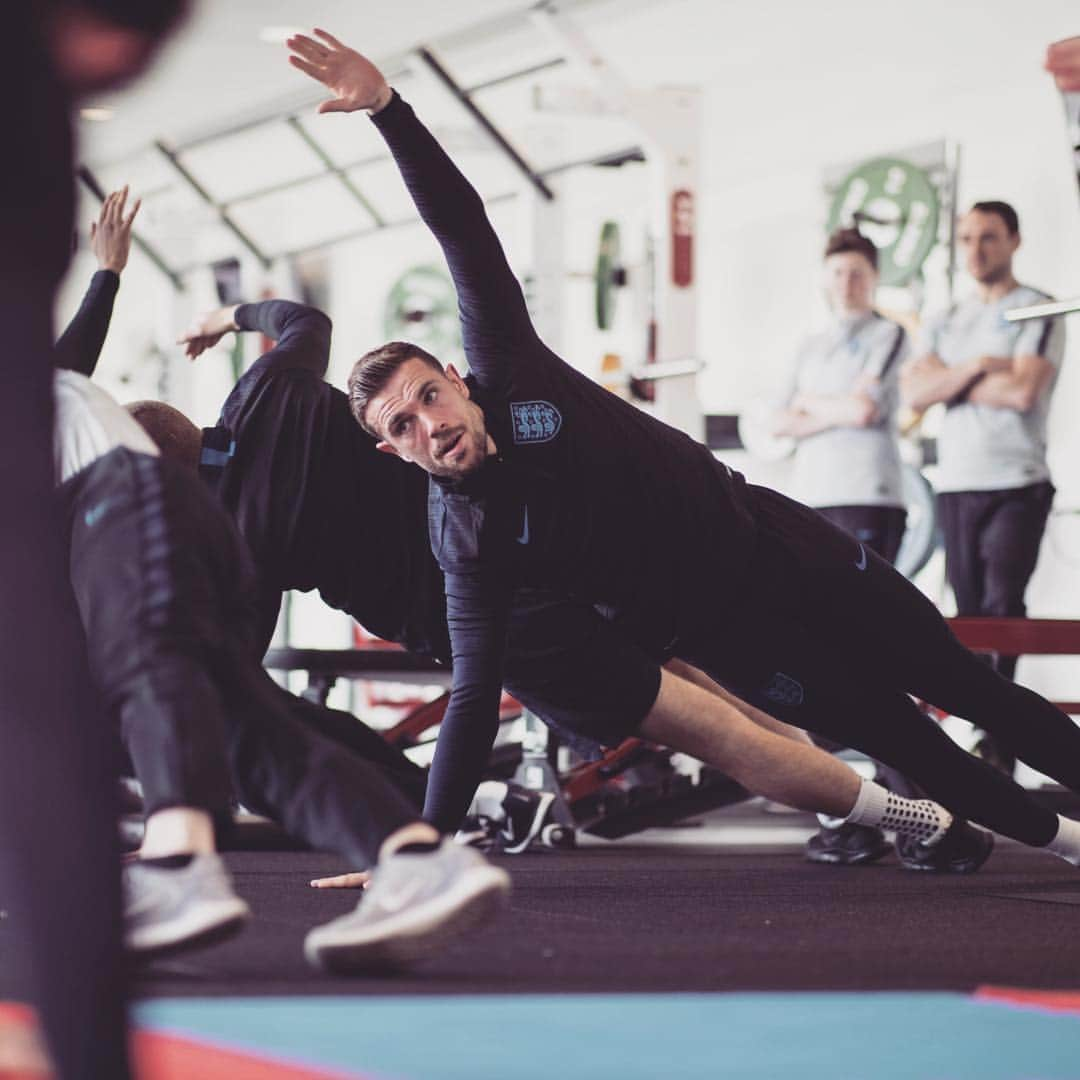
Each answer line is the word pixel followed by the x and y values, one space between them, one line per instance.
pixel 110 235
pixel 208 331
pixel 355 81
pixel 356 880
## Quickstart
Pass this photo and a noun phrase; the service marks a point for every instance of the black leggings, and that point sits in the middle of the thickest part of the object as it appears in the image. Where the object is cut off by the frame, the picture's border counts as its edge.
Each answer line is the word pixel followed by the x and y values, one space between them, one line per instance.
pixel 831 638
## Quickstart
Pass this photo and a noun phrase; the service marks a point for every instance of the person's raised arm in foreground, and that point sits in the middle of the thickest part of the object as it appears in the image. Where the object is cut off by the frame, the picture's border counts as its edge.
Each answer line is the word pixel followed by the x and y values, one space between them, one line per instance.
pixel 79 346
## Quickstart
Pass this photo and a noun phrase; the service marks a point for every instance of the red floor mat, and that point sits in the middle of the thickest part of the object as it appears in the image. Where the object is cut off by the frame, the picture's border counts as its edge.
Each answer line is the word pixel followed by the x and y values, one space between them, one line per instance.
pixel 167 1057
pixel 1067 1001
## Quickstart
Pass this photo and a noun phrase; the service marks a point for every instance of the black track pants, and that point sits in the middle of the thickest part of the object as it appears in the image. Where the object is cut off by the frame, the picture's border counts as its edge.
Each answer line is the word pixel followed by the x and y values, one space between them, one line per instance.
pixel 992 541
pixel 881 529
pixel 831 638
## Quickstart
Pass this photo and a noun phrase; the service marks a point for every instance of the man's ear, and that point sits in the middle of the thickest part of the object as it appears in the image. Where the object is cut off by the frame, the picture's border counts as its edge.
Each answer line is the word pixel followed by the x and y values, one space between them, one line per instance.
pixel 459 383
pixel 386 448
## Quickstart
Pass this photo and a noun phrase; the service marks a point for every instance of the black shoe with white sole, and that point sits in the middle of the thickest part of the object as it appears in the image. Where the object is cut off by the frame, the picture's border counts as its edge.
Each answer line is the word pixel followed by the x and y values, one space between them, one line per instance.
pixel 847 845
pixel 962 850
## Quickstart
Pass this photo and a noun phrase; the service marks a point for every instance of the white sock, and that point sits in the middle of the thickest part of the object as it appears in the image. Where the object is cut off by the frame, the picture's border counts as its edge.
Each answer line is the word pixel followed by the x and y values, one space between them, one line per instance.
pixel 488 800
pixel 828 822
pixel 178 830
pixel 1066 842
pixel 922 819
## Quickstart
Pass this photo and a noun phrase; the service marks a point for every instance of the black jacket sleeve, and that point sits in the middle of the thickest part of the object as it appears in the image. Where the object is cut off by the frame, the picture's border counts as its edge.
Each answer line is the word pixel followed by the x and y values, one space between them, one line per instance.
pixel 79 346
pixel 494 319
pixel 477 610
pixel 302 334
pixel 478 601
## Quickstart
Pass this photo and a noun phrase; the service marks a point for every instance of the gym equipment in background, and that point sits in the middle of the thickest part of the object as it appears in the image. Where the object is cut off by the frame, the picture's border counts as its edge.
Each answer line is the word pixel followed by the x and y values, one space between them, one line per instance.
pixel 610 274
pixel 421 307
pixel 906 202
pixel 896 205
pixel 630 787
pixel 920 531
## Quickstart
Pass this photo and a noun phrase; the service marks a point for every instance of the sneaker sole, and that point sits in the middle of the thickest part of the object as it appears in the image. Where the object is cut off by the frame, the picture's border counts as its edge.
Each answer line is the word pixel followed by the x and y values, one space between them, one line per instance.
pixel 415 935
pixel 207 924
pixel 834 858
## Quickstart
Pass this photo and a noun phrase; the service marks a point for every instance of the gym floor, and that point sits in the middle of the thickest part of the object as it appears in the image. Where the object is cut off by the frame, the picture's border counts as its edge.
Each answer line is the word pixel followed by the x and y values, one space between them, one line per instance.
pixel 708 951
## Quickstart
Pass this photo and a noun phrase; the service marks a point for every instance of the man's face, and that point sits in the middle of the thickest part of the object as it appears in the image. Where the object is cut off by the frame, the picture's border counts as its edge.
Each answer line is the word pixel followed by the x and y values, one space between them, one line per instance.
pixel 426 417
pixel 850 281
pixel 988 246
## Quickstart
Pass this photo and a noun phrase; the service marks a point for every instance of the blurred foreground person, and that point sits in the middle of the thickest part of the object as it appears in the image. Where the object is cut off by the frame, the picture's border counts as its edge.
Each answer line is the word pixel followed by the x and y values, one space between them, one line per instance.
pixel 64 831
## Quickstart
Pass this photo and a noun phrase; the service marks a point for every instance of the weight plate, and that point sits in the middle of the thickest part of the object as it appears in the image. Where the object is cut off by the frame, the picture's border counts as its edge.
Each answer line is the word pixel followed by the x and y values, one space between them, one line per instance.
pixel 920 532
pixel 896 205
pixel 608 265
pixel 422 308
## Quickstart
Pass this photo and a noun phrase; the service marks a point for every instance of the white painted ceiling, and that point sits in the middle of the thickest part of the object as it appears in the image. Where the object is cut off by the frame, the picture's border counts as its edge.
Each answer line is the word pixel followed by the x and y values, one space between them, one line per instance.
pixel 786 82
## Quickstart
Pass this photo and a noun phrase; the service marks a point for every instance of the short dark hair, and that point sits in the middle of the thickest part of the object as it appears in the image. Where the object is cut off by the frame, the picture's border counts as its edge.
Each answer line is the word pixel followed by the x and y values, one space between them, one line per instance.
pixel 173 433
pixel 851 240
pixel 1003 211
pixel 373 371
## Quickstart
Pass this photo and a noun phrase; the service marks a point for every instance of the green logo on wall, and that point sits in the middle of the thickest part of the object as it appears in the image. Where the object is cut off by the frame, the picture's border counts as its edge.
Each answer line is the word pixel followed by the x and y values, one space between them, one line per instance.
pixel 896 205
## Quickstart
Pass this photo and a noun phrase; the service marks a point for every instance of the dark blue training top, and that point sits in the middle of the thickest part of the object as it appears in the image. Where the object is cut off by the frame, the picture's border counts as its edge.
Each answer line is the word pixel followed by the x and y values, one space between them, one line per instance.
pixel 319 506
pixel 587 495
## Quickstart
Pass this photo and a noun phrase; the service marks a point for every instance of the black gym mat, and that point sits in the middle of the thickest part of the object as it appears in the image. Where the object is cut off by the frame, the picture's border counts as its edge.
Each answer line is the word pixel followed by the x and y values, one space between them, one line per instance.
pixel 624 919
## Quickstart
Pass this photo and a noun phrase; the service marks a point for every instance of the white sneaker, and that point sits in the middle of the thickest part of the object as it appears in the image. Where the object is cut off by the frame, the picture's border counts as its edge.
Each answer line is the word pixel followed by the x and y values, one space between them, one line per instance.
pixel 167 909
pixel 415 905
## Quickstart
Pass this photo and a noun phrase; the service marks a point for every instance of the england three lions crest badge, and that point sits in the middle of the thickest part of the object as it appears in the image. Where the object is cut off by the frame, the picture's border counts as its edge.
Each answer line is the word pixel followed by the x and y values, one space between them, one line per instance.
pixel 535 421
pixel 784 690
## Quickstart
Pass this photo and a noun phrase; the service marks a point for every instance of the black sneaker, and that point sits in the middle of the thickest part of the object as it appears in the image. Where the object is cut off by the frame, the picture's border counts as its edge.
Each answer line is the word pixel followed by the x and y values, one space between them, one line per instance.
pixel 962 850
pixel 847 845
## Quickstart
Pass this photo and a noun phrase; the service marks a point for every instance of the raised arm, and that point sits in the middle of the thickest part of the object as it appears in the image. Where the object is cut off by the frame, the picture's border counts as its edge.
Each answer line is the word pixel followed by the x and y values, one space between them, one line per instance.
pixel 302 333
pixel 79 346
pixel 494 316
pixel 1019 386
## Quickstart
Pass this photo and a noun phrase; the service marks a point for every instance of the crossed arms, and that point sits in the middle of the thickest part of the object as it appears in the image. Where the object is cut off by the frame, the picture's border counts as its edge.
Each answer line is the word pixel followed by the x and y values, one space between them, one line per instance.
pixel 1002 382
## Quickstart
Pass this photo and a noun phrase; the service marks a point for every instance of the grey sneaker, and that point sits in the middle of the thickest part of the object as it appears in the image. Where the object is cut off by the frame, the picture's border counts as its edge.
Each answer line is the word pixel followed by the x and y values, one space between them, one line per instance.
pixel 415 905
pixel 180 908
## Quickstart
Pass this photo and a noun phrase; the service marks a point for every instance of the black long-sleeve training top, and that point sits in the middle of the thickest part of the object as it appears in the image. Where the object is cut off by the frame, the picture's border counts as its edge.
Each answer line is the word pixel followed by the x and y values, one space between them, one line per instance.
pixel 79 346
pixel 587 494
pixel 318 505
